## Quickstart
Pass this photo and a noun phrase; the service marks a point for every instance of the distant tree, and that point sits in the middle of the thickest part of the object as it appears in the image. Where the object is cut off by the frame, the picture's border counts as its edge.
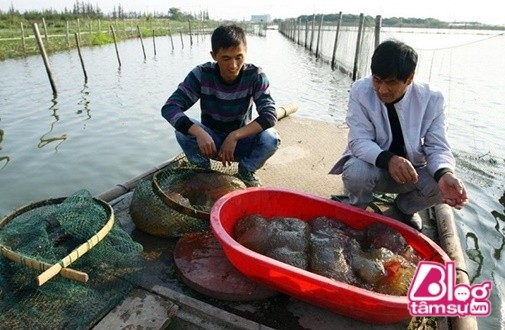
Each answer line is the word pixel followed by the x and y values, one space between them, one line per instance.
pixel 175 14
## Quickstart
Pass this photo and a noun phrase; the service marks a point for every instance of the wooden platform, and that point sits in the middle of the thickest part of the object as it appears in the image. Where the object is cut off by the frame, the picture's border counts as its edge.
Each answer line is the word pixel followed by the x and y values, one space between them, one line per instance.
pixel 308 150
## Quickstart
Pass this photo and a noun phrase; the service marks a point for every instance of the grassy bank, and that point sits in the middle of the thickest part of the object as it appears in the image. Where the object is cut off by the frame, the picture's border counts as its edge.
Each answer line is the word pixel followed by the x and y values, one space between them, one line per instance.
pixel 17 38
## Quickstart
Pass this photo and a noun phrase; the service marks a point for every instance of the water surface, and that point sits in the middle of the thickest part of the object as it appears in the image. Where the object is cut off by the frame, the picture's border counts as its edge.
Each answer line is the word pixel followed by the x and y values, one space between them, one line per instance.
pixel 97 134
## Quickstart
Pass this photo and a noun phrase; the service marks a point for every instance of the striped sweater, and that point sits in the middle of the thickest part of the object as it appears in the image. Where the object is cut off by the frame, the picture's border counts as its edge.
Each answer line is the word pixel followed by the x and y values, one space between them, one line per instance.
pixel 224 107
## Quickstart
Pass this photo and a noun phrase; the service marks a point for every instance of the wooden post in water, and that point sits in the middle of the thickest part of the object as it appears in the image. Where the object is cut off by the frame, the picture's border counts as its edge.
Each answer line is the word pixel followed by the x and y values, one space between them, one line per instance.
pixel 79 28
pixel 296 32
pixel 141 41
pixel 334 56
pixel 45 30
pixel 182 40
pixel 154 43
pixel 44 57
pixel 378 24
pixel 319 35
pixel 358 47
pixel 190 33
pixel 306 34
pixel 77 43
pixel 312 32
pixel 299 32
pixel 68 35
pixel 171 38
pixel 115 44
pixel 23 43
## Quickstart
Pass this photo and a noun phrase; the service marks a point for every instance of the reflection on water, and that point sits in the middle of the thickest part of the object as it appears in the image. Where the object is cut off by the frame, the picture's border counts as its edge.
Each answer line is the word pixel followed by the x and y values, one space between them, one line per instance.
pixel 84 102
pixel 45 139
pixel 474 254
pixel 500 220
pixel 3 159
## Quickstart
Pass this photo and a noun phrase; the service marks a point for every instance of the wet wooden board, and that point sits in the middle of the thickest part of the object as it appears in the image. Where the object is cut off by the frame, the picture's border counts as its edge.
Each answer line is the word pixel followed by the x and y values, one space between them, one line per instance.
pixel 202 265
pixel 140 310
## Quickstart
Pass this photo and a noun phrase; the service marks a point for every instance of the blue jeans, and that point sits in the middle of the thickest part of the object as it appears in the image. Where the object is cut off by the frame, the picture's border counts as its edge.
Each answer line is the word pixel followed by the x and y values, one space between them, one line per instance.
pixel 362 179
pixel 251 152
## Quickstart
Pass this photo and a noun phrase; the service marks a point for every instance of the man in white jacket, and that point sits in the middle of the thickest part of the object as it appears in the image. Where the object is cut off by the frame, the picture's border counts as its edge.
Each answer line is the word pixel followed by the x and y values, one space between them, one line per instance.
pixel 397 139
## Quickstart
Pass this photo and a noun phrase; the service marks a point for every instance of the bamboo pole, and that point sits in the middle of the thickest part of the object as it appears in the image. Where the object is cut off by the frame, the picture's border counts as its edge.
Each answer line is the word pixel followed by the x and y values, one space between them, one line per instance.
pixel 190 33
pixel 182 40
pixel 451 244
pixel 68 34
pixel 79 28
pixel 306 34
pixel 378 24
pixel 299 26
pixel 115 44
pixel 23 42
pixel 312 32
pixel 154 43
pixel 358 47
pixel 44 57
pixel 80 57
pixel 141 42
pixel 171 38
pixel 319 35
pixel 45 30
pixel 334 56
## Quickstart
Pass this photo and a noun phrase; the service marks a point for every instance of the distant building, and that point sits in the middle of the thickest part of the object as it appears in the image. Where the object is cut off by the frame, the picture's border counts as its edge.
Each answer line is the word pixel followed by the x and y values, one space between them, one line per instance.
pixel 261 18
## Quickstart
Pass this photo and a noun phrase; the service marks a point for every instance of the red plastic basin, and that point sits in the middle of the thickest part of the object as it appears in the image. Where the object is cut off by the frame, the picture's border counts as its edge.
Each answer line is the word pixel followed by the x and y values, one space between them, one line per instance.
pixel 339 297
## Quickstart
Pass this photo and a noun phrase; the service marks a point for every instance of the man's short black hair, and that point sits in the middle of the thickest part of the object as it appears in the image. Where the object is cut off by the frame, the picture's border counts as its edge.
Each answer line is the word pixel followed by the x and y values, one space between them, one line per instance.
pixel 394 59
pixel 226 36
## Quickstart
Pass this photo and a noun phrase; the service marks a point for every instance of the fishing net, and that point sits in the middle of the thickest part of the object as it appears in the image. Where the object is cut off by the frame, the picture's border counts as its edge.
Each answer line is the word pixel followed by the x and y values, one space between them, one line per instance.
pixel 78 232
pixel 178 199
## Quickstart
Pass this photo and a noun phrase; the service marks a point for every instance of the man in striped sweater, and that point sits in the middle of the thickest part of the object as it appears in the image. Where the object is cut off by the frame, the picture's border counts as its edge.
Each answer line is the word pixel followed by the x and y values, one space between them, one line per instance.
pixel 227 89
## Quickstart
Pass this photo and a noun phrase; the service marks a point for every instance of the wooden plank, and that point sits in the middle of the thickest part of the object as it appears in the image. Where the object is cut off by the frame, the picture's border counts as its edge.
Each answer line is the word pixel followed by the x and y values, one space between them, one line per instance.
pixel 140 310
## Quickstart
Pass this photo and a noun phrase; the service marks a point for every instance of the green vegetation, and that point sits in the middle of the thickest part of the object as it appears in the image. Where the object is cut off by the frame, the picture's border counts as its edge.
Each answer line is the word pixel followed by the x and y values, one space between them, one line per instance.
pixel 92 26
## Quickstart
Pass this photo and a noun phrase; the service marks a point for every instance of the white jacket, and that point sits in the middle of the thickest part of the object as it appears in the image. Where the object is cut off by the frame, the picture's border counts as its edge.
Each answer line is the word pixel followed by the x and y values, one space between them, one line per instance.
pixel 422 118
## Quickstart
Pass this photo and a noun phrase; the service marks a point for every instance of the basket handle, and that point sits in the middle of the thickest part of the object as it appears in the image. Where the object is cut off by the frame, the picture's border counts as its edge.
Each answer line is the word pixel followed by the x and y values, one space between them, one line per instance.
pixel 76 253
pixel 69 273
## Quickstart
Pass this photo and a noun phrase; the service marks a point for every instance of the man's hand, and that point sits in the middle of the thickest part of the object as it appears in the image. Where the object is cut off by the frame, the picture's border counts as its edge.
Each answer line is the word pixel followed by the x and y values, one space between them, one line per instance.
pixel 402 171
pixel 453 191
pixel 228 149
pixel 204 140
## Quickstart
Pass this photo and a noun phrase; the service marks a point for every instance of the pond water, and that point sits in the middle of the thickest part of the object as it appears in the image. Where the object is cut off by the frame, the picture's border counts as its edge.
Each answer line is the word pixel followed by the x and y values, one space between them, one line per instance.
pixel 97 134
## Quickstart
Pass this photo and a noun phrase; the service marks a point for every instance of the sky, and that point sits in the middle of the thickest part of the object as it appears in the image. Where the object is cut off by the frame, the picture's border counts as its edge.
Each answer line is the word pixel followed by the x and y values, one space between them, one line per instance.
pixel 483 11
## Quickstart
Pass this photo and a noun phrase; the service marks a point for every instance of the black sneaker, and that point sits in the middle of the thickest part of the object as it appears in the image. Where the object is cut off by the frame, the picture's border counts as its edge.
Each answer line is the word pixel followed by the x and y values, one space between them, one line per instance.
pixel 249 178
pixel 412 220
